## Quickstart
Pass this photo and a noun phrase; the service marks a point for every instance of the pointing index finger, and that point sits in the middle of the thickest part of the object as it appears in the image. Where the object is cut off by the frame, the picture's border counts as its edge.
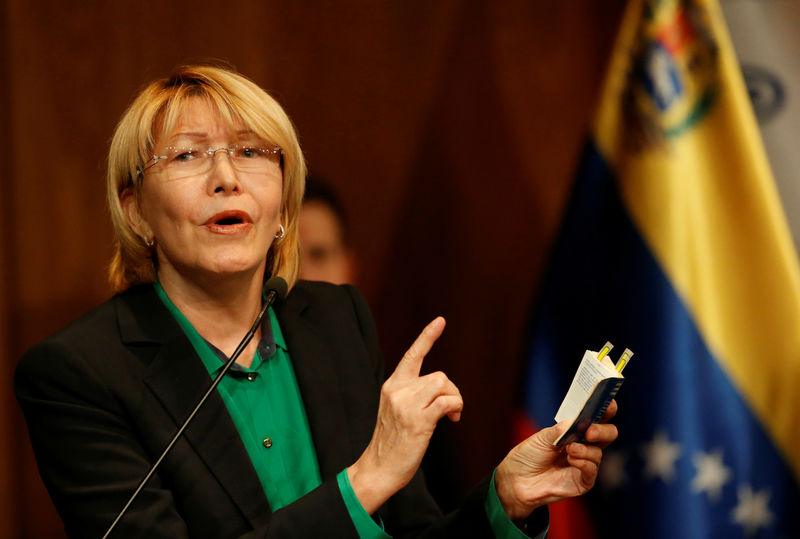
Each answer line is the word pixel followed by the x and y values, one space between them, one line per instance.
pixel 411 362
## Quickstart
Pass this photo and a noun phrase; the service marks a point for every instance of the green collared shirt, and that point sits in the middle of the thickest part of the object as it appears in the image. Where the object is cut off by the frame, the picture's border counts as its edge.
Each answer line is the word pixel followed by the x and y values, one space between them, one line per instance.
pixel 267 409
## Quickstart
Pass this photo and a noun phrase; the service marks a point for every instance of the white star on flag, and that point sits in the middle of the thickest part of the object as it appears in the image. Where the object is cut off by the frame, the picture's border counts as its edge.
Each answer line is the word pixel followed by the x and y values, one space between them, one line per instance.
pixel 752 512
pixel 660 456
pixel 711 475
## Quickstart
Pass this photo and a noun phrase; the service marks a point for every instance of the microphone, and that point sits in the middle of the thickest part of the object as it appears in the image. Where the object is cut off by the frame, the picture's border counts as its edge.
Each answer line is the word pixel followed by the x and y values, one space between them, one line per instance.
pixel 274 289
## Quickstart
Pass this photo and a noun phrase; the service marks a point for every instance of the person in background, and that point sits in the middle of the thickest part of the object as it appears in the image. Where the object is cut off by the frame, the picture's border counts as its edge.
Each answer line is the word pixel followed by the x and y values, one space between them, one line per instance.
pixel 325 252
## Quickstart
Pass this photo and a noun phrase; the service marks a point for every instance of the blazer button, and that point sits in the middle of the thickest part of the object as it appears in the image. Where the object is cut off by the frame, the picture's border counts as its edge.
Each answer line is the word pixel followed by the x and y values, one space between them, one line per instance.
pixel 267 442
pixel 252 376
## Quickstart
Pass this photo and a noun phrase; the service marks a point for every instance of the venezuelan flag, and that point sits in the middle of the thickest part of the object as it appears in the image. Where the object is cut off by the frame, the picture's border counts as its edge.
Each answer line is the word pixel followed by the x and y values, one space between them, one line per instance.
pixel 674 244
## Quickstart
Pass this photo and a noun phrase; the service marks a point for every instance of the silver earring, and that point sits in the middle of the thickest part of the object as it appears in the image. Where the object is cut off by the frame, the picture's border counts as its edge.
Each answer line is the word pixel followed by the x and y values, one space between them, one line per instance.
pixel 281 234
pixel 149 242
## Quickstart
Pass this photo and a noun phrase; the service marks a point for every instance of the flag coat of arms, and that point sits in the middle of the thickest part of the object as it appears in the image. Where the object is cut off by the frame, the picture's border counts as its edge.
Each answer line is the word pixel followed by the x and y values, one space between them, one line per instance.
pixel 674 244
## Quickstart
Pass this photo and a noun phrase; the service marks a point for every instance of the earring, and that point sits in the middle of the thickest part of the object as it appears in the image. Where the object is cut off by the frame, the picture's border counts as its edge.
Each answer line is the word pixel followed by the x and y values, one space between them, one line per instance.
pixel 149 242
pixel 281 234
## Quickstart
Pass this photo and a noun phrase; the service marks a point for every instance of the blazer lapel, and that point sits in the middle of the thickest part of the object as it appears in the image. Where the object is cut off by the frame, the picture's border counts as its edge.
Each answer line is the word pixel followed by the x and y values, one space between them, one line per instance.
pixel 317 378
pixel 178 379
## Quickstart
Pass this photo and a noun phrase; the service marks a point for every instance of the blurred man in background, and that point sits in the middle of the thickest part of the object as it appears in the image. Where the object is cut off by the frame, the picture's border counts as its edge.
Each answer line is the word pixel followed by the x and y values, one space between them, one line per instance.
pixel 325 253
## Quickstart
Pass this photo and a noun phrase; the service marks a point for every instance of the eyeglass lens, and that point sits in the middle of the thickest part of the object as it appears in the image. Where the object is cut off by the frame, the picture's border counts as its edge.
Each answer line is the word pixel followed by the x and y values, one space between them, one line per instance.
pixel 183 162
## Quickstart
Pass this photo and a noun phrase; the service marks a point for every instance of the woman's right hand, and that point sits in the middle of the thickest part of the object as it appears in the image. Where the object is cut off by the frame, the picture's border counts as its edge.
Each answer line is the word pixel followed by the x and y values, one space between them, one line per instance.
pixel 410 407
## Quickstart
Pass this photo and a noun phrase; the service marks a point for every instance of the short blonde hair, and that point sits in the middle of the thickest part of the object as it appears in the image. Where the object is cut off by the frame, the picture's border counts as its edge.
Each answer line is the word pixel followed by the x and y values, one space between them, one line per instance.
pixel 153 113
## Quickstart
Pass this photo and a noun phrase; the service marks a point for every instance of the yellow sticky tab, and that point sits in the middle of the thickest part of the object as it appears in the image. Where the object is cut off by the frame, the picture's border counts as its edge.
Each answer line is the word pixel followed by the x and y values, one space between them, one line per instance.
pixel 624 359
pixel 604 350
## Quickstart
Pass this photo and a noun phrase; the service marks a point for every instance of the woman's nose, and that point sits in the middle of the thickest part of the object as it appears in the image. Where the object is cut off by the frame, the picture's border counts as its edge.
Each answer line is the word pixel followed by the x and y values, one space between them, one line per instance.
pixel 222 175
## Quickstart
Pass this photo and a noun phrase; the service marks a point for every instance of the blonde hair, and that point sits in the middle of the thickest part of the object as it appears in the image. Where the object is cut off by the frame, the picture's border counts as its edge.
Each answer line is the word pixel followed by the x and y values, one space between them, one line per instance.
pixel 153 113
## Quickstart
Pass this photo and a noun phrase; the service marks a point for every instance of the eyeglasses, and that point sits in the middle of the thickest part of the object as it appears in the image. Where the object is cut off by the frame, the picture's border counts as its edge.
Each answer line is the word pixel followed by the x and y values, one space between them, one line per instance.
pixel 184 162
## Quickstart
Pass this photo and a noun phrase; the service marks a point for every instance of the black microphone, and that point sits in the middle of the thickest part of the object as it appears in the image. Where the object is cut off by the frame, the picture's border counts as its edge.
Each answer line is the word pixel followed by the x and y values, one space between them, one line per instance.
pixel 274 289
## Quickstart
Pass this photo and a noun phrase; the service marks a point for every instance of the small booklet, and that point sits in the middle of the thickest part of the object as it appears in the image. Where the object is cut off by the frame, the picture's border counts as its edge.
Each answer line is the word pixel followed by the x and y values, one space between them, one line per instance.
pixel 597 381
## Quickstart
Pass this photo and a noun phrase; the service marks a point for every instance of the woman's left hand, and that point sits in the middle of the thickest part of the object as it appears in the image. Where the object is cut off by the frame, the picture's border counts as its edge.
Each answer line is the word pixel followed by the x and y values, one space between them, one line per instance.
pixel 536 472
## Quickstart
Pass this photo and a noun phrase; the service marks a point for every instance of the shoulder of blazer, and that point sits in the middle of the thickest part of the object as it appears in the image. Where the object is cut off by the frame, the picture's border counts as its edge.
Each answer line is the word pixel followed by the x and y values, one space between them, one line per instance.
pixel 317 301
pixel 135 315
pixel 133 321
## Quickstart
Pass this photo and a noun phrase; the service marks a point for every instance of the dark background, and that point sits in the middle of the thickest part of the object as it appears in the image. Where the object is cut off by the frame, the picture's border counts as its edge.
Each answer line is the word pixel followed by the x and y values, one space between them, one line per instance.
pixel 451 130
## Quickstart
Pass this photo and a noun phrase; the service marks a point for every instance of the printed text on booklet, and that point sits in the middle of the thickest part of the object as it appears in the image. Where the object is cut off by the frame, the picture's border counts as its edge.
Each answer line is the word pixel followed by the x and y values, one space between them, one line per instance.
pixel 597 381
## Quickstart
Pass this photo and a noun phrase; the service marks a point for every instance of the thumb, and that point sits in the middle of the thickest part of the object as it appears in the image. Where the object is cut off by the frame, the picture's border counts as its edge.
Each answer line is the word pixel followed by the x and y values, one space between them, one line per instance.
pixel 549 435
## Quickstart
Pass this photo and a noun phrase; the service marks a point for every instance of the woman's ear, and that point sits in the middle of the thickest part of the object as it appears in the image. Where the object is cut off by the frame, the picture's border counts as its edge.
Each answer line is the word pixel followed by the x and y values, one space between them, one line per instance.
pixel 133 214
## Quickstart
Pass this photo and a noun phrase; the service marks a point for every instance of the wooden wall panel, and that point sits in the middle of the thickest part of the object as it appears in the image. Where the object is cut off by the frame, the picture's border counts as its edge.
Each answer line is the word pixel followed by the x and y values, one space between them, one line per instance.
pixel 450 129
pixel 11 436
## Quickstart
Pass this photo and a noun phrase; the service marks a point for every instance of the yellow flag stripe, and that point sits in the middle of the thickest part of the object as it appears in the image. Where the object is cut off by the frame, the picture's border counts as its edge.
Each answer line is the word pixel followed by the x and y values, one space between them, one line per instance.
pixel 707 206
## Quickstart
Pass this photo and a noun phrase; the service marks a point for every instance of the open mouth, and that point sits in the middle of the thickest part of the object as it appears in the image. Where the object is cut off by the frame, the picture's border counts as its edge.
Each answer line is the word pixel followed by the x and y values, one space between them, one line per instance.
pixel 229 221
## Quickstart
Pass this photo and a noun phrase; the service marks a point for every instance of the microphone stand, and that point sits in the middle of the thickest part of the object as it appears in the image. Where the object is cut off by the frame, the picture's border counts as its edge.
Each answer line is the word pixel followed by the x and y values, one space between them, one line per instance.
pixel 272 294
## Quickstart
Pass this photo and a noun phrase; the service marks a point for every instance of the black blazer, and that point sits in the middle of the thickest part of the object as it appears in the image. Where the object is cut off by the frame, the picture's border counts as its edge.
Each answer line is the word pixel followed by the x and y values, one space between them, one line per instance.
pixel 103 396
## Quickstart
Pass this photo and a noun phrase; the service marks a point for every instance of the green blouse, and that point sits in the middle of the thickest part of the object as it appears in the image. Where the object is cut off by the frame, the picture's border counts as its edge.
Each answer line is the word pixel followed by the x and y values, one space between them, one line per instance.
pixel 265 404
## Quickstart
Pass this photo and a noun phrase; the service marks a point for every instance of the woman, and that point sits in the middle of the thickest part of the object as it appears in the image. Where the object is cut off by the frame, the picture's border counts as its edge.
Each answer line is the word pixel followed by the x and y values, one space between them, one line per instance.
pixel 204 185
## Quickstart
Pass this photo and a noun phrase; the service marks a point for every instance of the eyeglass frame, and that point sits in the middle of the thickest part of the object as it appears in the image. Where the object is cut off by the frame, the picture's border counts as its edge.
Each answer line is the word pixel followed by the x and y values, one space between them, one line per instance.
pixel 211 152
